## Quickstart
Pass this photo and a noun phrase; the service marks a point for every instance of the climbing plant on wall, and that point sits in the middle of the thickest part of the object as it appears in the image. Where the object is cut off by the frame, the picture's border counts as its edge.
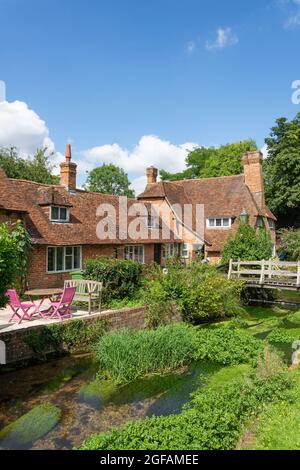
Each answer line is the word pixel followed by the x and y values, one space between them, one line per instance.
pixel 14 254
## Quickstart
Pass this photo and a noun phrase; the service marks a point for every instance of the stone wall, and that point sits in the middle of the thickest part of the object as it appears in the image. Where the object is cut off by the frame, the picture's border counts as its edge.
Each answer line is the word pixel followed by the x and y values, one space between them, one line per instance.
pixel 16 348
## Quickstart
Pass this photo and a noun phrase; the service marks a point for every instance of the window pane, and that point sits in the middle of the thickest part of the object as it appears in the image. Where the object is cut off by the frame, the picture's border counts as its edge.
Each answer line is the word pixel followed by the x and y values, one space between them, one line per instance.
pixel 211 222
pixel 77 257
pixel 51 259
pixel 59 259
pixel 69 263
pixel 69 250
pixel 54 213
pixel 63 213
pixel 225 222
pixel 219 222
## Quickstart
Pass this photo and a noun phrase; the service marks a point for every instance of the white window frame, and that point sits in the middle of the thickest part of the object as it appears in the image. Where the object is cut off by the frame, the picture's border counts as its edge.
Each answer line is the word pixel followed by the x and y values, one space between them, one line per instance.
pixel 129 253
pixel 185 250
pixel 218 227
pixel 59 220
pixel 64 259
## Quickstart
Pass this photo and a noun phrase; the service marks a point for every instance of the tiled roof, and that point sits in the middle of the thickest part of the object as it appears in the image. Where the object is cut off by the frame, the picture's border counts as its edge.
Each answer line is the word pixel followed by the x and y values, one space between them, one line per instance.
pixel 10 200
pixel 225 196
pixel 83 213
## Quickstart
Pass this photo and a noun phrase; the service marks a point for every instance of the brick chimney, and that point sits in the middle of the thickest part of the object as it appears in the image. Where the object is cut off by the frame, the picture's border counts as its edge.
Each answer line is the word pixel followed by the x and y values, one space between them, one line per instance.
pixel 151 175
pixel 254 179
pixel 68 171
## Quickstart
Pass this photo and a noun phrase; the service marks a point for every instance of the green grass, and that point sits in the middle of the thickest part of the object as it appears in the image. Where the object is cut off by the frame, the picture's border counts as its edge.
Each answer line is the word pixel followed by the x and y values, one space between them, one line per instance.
pixel 278 426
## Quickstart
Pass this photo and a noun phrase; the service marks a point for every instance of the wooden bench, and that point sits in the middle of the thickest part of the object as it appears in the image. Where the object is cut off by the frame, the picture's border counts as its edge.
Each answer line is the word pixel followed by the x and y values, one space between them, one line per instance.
pixel 87 291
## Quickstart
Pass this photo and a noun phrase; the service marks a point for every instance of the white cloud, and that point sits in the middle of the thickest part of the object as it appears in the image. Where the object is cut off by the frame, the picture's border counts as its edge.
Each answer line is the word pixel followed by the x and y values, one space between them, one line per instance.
pixel 225 38
pixel 291 9
pixel 264 151
pixel 150 150
pixel 21 127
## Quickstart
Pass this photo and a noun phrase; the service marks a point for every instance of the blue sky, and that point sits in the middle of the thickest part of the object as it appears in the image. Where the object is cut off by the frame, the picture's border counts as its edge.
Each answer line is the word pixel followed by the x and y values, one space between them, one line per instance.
pixel 140 81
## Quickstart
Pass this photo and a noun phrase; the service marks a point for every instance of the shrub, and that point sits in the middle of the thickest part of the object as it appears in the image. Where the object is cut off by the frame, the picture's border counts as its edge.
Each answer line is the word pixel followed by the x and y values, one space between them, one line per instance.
pixel 121 278
pixel 227 346
pixel 213 422
pixel 210 298
pixel 200 293
pixel 30 427
pixel 160 308
pixel 248 244
pixel 126 355
pixel 14 249
pixel 72 336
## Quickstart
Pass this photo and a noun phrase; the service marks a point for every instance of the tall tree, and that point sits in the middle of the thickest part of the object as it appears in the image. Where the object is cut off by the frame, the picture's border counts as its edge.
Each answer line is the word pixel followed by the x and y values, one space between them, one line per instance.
pixel 205 162
pixel 109 179
pixel 282 171
pixel 38 168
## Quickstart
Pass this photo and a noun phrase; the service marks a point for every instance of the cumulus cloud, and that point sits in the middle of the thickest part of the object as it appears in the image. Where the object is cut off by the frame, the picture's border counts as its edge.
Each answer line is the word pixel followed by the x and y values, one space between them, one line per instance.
pixel 225 38
pixel 150 150
pixel 21 127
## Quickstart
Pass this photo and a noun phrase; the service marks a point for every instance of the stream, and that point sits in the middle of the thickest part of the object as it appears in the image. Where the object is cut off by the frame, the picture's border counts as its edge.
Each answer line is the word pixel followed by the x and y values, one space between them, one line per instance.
pixel 87 405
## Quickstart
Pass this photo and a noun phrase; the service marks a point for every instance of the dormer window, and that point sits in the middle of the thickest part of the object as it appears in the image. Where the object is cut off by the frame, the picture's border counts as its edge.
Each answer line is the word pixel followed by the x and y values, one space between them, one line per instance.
pixel 59 214
pixel 218 222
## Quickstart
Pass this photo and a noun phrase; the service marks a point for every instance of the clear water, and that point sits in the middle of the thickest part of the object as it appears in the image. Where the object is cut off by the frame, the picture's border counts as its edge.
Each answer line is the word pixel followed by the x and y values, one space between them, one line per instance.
pixel 88 405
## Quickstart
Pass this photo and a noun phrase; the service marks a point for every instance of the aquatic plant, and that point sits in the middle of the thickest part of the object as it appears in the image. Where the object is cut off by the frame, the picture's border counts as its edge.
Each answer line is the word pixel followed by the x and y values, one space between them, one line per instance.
pixel 225 345
pixel 30 427
pixel 213 421
pixel 125 355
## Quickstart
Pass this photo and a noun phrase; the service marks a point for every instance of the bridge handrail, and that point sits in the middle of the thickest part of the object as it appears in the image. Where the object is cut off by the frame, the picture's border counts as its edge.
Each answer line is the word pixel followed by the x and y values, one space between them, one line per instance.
pixel 268 270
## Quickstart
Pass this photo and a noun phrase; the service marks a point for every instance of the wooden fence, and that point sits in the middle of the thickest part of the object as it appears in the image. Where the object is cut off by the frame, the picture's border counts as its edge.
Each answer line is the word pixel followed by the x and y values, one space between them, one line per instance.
pixel 268 274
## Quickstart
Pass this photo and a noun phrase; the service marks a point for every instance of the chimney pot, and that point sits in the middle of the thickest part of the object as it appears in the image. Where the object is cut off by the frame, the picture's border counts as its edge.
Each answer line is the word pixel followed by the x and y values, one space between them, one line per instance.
pixel 68 153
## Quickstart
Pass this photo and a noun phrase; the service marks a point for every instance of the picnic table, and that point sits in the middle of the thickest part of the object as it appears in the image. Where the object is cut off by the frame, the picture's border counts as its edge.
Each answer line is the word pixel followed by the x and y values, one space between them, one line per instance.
pixel 43 294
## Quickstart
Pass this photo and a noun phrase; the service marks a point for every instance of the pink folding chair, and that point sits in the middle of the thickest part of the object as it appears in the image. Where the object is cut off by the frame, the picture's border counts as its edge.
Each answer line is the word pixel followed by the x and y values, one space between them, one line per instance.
pixel 20 309
pixel 62 308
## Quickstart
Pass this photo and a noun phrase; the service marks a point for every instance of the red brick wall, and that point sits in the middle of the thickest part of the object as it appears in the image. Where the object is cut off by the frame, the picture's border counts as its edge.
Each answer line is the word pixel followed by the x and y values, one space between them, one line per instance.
pixel 39 278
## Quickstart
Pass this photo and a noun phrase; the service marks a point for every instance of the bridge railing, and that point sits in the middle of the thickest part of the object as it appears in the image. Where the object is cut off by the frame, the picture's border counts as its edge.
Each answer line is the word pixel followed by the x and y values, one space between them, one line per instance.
pixel 266 272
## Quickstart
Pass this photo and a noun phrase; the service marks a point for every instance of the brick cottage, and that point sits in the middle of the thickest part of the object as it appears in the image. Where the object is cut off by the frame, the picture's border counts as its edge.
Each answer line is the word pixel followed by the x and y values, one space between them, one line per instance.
pixel 62 220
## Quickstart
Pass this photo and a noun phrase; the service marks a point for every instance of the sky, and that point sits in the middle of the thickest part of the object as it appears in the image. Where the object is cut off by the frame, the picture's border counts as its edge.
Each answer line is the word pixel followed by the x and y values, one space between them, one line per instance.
pixel 141 82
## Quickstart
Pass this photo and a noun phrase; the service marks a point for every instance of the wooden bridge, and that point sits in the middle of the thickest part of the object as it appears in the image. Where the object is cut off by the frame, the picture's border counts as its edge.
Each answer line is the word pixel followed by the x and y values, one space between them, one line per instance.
pixel 267 274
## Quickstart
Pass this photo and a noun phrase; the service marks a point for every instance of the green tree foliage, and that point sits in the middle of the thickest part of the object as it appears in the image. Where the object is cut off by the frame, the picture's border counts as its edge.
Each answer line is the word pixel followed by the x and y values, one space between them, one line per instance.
pixel 121 278
pixel 290 243
pixel 210 162
pixel 38 168
pixel 248 244
pixel 14 251
pixel 282 171
pixel 109 179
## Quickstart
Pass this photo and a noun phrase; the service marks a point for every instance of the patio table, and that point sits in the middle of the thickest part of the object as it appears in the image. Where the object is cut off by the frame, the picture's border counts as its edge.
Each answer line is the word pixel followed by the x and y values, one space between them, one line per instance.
pixel 43 294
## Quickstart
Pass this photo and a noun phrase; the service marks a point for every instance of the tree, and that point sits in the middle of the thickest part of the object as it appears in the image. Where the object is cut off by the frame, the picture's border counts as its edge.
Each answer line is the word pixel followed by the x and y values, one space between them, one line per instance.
pixel 248 244
pixel 38 168
pixel 290 244
pixel 109 179
pixel 205 162
pixel 282 171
